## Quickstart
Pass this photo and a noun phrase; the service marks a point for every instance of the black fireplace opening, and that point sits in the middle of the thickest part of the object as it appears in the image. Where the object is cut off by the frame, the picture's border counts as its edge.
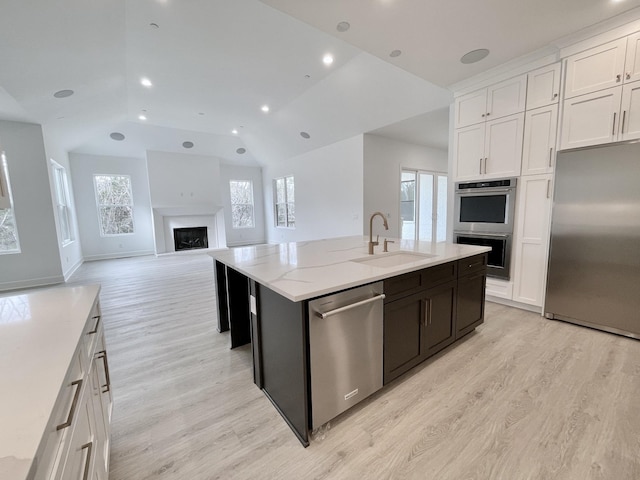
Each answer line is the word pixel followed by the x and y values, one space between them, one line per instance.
pixel 190 238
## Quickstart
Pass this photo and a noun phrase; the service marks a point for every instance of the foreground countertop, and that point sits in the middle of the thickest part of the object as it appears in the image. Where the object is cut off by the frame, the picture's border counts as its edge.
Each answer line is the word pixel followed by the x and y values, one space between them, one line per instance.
pixel 39 333
pixel 303 270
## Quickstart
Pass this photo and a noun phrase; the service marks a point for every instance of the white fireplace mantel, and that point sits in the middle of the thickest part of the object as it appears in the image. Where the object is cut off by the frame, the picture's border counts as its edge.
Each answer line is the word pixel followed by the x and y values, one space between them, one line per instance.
pixel 166 218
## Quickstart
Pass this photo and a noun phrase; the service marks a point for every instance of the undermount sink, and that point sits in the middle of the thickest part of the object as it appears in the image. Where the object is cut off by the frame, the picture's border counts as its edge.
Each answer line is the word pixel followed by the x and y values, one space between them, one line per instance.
pixel 393 259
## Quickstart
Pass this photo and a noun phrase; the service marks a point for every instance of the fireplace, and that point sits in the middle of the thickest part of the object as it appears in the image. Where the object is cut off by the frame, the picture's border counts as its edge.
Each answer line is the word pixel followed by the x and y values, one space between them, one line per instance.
pixel 190 238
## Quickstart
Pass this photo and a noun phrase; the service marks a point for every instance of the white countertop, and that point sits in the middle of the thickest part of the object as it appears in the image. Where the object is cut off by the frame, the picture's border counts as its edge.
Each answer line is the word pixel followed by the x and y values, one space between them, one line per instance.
pixel 39 333
pixel 304 270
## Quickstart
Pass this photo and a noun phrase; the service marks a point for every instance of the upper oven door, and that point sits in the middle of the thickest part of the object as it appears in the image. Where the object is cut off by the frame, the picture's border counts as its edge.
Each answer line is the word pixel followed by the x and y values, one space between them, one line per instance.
pixel 485 209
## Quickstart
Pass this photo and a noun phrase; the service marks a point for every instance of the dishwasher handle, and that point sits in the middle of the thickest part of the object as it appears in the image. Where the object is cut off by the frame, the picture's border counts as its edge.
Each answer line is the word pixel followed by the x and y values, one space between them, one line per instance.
pixel 350 306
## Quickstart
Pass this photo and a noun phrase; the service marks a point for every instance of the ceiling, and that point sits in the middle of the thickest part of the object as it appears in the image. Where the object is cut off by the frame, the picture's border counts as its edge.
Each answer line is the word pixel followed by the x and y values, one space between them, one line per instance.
pixel 214 63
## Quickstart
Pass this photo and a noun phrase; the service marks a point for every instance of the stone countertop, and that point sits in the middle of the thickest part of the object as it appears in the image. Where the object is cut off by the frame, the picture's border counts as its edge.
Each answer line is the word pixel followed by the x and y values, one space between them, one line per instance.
pixel 39 333
pixel 303 270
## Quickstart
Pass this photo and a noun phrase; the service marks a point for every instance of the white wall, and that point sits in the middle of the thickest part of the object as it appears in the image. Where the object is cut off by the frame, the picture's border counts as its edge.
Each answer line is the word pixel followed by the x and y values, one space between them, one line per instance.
pixel 95 246
pixel 384 160
pixel 243 236
pixel 71 253
pixel 39 260
pixel 328 192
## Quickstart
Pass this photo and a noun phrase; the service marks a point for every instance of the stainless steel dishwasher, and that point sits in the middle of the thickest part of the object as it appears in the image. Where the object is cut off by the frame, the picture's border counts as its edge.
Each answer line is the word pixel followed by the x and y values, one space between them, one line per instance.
pixel 345 336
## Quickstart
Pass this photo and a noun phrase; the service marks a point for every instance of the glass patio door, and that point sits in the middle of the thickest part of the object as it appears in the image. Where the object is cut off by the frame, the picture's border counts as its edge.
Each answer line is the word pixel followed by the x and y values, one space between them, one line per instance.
pixel 423 206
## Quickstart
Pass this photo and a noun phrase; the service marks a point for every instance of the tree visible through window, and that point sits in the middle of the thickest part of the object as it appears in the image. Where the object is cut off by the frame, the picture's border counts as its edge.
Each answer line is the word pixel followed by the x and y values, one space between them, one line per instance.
pixel 241 203
pixel 115 204
pixel 8 231
pixel 285 202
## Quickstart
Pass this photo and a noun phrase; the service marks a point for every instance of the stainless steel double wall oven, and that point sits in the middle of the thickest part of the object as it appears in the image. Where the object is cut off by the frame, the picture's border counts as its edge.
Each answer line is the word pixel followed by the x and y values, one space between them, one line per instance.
pixel 484 215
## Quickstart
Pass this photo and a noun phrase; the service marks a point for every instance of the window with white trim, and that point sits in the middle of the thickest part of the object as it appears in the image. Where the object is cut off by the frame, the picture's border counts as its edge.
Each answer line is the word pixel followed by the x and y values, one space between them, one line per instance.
pixel 242 215
pixel 115 204
pixel 9 242
pixel 63 203
pixel 285 212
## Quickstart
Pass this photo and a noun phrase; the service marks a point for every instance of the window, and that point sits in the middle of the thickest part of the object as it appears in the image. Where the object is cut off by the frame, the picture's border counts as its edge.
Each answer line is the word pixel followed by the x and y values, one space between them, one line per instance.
pixel 8 230
pixel 115 204
pixel 423 206
pixel 241 203
pixel 61 190
pixel 285 202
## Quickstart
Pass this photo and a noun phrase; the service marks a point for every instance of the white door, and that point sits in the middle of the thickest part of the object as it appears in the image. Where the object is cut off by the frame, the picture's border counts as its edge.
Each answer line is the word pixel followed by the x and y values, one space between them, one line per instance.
pixel 591 119
pixel 595 69
pixel 543 86
pixel 471 108
pixel 468 152
pixel 538 150
pixel 423 206
pixel 506 98
pixel 503 146
pixel 632 59
pixel 630 126
pixel 532 238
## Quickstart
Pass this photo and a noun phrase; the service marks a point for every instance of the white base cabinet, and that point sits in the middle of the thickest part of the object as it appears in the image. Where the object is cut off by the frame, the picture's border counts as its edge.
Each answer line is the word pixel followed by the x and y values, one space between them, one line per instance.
pixel 532 239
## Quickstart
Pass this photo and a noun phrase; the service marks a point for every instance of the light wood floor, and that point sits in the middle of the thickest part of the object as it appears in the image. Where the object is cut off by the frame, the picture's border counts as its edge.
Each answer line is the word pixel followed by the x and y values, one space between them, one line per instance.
pixel 521 398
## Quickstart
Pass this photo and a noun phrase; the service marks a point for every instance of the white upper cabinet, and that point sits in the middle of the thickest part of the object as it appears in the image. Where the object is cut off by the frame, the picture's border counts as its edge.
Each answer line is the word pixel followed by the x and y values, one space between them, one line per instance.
pixel 595 69
pixel 630 122
pixel 591 119
pixel 632 58
pixel 489 150
pixel 499 100
pixel 543 86
pixel 538 151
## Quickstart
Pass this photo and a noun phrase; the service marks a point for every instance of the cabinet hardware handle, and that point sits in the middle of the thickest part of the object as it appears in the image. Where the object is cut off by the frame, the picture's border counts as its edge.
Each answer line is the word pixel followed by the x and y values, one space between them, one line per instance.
pixel 624 115
pixel 618 78
pixel 488 113
pixel 613 130
pixel 427 312
pixel 550 156
pixel 103 355
pixel 95 329
pixel 555 95
pixel 548 188
pixel 480 170
pixel 485 165
pixel 349 307
pixel 483 115
pixel 74 405
pixel 628 75
pixel 87 462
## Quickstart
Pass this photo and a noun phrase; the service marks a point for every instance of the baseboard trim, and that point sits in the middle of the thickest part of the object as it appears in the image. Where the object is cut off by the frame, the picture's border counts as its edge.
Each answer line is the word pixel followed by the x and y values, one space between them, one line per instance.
pixel 69 273
pixel 511 303
pixel 110 256
pixel 31 283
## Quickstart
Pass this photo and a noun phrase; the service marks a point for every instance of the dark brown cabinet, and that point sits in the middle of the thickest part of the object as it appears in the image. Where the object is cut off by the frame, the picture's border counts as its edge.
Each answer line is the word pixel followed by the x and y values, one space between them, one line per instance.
pixel 471 291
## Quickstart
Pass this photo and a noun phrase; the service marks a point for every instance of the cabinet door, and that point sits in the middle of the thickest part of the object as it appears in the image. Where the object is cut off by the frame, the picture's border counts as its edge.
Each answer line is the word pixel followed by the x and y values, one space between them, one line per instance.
pixel 630 123
pixel 595 69
pixel 470 303
pixel 506 98
pixel 538 149
pixel 439 305
pixel 532 238
pixel 471 108
pixel 632 60
pixel 543 86
pixel 591 119
pixel 468 152
pixel 503 146
pixel 402 349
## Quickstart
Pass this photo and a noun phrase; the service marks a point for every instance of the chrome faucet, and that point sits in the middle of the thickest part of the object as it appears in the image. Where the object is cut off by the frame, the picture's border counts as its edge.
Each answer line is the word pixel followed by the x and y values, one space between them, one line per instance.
pixel 386 227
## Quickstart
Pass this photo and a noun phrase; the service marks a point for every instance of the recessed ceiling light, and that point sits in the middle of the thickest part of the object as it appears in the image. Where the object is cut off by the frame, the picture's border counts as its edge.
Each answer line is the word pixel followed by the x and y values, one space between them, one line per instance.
pixel 307 76
pixel 142 117
pixel 241 150
pixel 187 144
pixel 305 135
pixel 265 108
pixel 154 25
pixel 234 131
pixel 63 93
pixel 474 56
pixel 200 113
pixel 395 53
pixel 146 82
pixel 343 26
pixel 327 59
pixel 117 136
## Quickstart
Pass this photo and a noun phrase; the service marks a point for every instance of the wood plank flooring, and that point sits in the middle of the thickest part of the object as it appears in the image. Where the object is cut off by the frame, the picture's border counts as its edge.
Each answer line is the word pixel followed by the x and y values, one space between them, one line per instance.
pixel 520 398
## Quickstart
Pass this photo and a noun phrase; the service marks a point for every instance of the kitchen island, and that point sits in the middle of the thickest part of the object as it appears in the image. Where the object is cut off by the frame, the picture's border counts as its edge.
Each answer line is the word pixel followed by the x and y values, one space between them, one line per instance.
pixel 433 295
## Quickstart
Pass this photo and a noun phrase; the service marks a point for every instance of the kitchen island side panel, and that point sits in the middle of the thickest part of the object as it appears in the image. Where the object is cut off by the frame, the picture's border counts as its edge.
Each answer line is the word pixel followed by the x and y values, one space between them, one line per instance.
pixel 284 352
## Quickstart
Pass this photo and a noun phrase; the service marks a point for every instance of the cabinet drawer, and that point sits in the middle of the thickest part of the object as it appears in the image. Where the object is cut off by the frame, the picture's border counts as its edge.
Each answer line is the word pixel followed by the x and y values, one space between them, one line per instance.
pixel 90 335
pixel 439 274
pixel 473 264
pixel 402 285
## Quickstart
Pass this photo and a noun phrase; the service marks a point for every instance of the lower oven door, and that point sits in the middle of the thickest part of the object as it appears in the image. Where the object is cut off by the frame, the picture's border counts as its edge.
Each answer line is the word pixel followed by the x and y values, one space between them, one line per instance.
pixel 499 262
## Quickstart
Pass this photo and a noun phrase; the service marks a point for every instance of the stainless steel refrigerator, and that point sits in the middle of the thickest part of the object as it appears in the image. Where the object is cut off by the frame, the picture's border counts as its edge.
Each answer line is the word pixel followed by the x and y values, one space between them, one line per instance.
pixel 594 259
